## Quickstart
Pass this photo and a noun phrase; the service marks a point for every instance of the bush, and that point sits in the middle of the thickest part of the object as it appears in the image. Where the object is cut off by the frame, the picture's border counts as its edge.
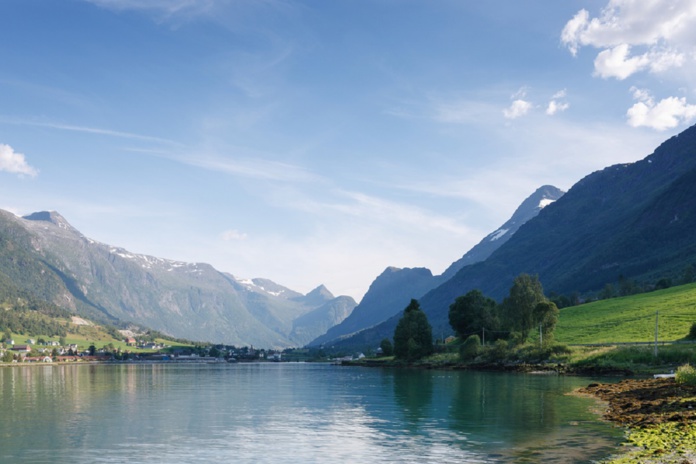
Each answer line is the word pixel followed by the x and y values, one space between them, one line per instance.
pixel 470 348
pixel 686 375
pixel 498 352
pixel 692 332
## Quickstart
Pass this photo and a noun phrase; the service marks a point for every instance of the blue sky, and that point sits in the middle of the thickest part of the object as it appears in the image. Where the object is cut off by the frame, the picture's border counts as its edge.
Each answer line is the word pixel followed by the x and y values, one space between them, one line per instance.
pixel 316 142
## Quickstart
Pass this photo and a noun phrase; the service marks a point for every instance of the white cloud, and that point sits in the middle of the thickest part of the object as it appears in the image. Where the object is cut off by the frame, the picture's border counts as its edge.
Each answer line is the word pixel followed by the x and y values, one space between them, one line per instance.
pixel 663 31
pixel 615 62
pixel 666 114
pixel 517 109
pixel 11 161
pixel 233 235
pixel 556 105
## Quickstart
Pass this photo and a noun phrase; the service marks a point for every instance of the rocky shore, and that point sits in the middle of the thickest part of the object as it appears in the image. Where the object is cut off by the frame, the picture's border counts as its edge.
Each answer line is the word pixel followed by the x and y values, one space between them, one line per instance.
pixel 660 417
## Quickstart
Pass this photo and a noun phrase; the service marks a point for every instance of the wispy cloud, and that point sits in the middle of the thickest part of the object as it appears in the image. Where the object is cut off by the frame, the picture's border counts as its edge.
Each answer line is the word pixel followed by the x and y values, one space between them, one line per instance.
pixel 14 162
pixel 557 103
pixel 86 129
pixel 167 7
pixel 254 168
pixel 233 235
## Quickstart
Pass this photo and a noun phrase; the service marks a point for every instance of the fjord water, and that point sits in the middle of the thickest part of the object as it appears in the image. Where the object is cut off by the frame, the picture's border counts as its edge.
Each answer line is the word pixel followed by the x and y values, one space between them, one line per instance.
pixel 293 413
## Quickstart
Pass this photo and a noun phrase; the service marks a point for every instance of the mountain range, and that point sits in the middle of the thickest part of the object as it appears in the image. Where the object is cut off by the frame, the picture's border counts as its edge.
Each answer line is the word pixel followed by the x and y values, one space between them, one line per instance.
pixel 44 255
pixel 392 290
pixel 627 222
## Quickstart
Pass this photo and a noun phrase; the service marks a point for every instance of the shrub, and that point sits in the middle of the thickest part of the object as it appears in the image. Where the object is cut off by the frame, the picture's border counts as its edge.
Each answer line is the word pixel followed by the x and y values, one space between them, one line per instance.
pixel 686 375
pixel 692 332
pixel 470 348
pixel 498 352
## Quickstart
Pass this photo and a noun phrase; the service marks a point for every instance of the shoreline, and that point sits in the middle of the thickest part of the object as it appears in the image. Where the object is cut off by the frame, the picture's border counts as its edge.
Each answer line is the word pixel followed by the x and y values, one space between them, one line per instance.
pixel 659 416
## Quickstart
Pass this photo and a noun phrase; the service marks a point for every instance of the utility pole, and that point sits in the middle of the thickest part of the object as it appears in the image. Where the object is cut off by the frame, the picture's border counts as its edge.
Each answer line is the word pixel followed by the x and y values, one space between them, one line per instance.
pixel 657 315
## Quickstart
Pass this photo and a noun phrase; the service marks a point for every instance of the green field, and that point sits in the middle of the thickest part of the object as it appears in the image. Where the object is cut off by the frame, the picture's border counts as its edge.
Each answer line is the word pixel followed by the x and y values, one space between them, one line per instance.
pixel 630 318
pixel 85 335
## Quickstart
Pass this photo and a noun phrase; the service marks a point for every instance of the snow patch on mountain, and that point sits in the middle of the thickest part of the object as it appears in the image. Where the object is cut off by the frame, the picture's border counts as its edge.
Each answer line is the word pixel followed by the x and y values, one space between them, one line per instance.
pixel 498 233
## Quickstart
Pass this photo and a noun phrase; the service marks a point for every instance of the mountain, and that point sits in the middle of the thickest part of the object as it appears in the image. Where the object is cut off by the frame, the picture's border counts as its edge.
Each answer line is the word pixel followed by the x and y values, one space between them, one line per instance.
pixel 529 208
pixel 388 294
pixel 331 313
pixel 391 291
pixel 632 221
pixel 44 255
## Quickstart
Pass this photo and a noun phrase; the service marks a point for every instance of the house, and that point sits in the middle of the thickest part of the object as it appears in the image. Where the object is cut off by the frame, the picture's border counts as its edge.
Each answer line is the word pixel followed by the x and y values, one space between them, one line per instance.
pixel 21 348
pixel 31 341
pixel 9 341
pixel 152 346
pixel 43 359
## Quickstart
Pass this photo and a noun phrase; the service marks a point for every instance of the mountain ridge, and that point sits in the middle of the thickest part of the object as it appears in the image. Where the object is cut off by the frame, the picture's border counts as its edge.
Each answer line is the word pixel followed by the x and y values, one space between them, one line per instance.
pixel 392 290
pixel 44 254
pixel 596 233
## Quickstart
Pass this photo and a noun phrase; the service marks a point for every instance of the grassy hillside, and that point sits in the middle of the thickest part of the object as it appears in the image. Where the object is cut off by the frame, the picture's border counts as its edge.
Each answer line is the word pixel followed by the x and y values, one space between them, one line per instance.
pixel 83 335
pixel 631 318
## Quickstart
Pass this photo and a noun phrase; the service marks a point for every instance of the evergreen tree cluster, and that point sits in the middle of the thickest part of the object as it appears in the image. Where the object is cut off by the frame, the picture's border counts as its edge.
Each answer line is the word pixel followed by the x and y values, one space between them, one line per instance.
pixel 413 336
pixel 25 314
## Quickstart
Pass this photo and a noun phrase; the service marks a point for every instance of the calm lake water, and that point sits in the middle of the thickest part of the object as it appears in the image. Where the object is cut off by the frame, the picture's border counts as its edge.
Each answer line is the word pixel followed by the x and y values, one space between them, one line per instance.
pixel 293 413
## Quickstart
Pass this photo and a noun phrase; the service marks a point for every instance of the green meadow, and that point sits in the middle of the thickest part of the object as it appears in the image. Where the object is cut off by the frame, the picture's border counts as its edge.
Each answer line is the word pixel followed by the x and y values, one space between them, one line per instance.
pixel 631 318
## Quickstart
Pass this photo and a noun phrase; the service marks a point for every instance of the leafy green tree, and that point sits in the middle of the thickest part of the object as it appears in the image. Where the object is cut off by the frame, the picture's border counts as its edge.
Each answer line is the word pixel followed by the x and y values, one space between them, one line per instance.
pixel 7 357
pixel 546 315
pixel 519 308
pixel 387 347
pixel 470 348
pixel 471 313
pixel 6 336
pixel 608 292
pixel 62 341
pixel 413 336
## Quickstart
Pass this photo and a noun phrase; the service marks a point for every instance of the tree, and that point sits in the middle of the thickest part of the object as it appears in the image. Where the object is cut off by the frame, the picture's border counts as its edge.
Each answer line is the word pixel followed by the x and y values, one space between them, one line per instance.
pixel 471 313
pixel 546 315
pixel 608 292
pixel 470 348
pixel 413 336
pixel 688 275
pixel 526 292
pixel 387 347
